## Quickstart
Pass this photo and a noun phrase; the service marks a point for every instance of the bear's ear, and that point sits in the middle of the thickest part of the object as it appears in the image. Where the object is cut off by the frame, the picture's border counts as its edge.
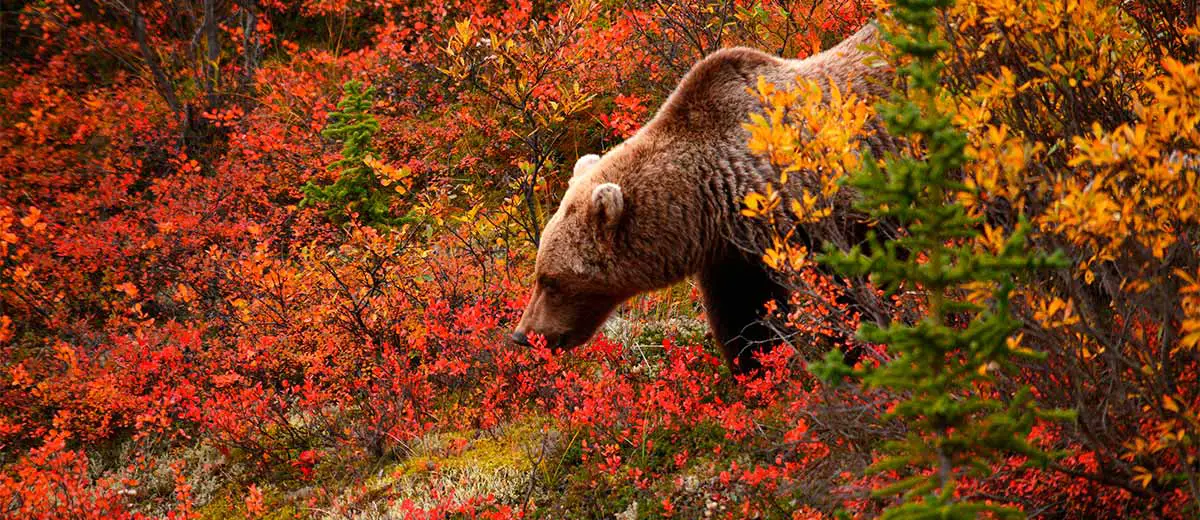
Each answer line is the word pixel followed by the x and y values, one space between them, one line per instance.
pixel 584 164
pixel 607 205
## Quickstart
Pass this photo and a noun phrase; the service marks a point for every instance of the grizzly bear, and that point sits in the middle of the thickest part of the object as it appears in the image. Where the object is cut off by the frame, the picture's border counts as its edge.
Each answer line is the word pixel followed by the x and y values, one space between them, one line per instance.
pixel 665 205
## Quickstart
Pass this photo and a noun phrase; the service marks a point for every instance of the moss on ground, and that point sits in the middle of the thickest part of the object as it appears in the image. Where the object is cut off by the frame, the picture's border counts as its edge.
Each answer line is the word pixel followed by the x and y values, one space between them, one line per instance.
pixel 497 463
pixel 229 502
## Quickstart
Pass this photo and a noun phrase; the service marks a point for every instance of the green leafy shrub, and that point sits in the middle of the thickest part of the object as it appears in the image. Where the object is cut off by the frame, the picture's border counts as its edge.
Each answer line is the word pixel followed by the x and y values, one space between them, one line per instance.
pixel 358 189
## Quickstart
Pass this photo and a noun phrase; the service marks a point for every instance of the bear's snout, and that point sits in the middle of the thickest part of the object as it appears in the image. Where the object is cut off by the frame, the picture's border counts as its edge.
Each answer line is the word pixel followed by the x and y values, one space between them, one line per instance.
pixel 563 321
pixel 520 337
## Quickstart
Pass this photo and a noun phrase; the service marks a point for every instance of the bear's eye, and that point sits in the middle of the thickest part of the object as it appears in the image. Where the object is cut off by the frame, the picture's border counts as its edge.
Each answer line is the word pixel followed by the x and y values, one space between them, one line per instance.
pixel 547 283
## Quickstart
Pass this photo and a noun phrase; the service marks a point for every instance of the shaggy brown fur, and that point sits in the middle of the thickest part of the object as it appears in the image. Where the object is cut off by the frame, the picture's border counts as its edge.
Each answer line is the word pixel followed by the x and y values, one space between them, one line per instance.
pixel 664 205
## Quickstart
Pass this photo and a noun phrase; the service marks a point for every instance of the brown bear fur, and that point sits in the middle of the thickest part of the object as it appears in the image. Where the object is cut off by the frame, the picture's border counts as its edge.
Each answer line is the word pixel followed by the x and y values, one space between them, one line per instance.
pixel 665 205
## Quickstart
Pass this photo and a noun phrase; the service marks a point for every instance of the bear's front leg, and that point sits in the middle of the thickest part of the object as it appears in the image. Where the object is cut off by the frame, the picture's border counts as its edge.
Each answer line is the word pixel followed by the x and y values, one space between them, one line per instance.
pixel 736 289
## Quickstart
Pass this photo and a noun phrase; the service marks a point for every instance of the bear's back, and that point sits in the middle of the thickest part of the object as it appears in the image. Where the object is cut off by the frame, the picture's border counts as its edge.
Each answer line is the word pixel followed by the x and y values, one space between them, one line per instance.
pixel 715 96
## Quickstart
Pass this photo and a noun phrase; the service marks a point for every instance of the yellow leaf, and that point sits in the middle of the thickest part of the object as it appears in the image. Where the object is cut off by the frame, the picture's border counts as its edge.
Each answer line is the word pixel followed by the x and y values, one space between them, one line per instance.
pixel 1143 476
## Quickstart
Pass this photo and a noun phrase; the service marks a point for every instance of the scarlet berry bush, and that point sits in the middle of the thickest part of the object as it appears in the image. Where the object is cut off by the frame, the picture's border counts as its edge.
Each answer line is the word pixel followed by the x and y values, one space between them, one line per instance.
pixel 221 297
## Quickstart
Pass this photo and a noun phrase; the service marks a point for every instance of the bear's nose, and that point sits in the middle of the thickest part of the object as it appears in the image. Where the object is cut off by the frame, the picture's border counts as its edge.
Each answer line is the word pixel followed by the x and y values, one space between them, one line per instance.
pixel 520 338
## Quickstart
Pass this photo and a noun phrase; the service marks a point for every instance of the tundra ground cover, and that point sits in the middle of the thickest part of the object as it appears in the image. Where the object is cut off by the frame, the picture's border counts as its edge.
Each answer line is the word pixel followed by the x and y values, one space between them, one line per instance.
pixel 186 331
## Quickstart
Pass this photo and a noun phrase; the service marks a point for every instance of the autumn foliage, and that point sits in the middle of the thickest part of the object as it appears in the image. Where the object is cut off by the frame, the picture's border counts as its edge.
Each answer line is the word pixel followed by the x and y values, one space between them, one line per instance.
pixel 260 259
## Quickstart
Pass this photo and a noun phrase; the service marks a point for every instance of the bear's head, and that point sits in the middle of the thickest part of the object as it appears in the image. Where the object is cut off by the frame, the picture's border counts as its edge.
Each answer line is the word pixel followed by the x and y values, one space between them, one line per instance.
pixel 579 272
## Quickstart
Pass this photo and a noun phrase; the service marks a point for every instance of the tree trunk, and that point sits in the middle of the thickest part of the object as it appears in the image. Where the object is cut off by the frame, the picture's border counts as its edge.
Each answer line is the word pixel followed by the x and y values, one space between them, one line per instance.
pixel 162 83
